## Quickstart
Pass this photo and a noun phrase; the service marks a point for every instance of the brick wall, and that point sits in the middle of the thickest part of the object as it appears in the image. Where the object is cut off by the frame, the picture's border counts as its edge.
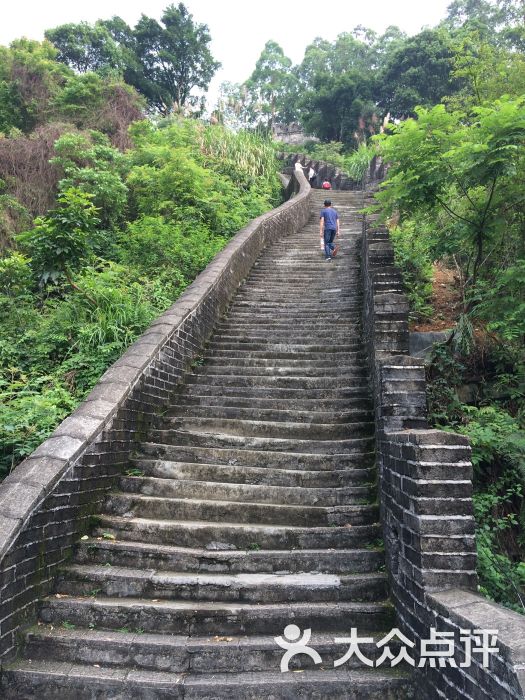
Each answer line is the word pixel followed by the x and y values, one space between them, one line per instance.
pixel 425 492
pixel 47 502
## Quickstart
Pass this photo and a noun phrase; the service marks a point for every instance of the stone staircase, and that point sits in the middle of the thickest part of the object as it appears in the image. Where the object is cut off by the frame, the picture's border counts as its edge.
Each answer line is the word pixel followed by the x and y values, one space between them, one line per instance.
pixel 252 506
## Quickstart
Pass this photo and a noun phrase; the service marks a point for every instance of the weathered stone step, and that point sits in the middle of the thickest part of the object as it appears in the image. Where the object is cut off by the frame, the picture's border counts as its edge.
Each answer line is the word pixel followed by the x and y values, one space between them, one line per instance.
pixel 212 618
pixel 252 493
pixel 324 323
pixel 119 582
pixel 242 427
pixel 59 681
pixel 350 340
pixel 248 356
pixel 282 370
pixel 171 558
pixel 275 313
pixel 281 294
pixel 360 392
pixel 215 411
pixel 176 653
pixel 302 383
pixel 273 318
pixel 329 446
pixel 229 535
pixel 241 474
pixel 269 345
pixel 260 457
pixel 344 362
pixel 131 505
pixel 337 408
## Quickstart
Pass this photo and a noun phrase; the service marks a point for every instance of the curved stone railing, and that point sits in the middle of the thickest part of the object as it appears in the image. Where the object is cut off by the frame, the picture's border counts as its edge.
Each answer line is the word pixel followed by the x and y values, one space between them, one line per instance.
pixel 47 501
pixel 326 171
pixel 425 493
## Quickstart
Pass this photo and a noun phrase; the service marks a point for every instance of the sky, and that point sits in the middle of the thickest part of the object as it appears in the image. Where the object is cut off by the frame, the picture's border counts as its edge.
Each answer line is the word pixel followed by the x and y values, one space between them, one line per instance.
pixel 239 28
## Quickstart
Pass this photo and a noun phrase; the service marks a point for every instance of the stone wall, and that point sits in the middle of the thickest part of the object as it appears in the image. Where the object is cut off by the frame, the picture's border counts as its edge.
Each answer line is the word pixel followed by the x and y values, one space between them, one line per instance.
pixel 326 171
pixel 47 502
pixel 425 491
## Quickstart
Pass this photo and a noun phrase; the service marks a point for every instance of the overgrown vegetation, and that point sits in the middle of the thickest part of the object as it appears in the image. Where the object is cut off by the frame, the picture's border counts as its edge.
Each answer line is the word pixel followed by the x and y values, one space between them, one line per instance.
pixel 454 194
pixel 123 237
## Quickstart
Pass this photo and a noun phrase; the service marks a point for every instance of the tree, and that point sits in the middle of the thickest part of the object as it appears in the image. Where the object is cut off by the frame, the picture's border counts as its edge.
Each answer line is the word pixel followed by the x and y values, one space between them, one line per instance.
pixel 270 84
pixel 30 78
pixel 60 242
pixel 84 47
pixel 419 72
pixel 164 61
pixel 466 173
pixel 338 107
pixel 175 58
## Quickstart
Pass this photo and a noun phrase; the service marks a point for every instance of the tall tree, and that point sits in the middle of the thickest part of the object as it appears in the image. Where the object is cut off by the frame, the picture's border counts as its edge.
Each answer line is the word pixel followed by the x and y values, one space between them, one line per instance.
pixel 270 84
pixel 165 61
pixel 86 47
pixel 175 57
pixel 419 72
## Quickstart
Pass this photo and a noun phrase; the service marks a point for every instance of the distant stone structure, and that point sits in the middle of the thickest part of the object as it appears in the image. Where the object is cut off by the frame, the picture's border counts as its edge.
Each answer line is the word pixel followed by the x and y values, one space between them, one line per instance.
pixel 291 133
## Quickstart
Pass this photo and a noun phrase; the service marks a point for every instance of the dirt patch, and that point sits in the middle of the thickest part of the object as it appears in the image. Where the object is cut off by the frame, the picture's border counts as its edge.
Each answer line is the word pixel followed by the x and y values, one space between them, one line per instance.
pixel 446 301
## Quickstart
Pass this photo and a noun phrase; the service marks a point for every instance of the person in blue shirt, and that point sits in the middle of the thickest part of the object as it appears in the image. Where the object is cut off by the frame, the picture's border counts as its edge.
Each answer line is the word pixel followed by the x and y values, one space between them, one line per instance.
pixel 329 228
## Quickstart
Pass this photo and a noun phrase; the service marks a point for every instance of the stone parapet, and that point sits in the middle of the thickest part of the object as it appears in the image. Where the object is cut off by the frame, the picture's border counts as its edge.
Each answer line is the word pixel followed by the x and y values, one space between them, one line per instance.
pixel 47 502
pixel 425 493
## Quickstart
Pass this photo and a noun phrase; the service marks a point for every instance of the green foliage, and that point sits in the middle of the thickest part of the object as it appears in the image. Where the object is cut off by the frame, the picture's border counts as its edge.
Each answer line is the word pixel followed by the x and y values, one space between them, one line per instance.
pixel 270 85
pixel 444 376
pixel 29 412
pixel 494 435
pixel 15 276
pixel 84 47
pixel 30 77
pixel 60 243
pixel 171 203
pixel 503 302
pixel 412 248
pixel 357 162
pixel 91 164
pixel 466 174
pixel 500 516
pixel 417 73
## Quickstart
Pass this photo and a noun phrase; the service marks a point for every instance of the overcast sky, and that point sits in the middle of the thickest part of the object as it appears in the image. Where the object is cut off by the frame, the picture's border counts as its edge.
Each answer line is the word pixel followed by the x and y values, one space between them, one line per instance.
pixel 239 28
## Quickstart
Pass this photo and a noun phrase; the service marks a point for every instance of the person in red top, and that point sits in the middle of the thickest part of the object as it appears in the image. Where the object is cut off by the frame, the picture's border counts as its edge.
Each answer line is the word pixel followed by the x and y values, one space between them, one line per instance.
pixel 326 185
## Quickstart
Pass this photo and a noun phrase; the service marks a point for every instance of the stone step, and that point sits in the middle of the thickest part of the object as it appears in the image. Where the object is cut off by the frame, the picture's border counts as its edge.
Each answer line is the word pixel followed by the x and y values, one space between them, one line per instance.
pixel 346 359
pixel 161 557
pixel 241 474
pixel 361 392
pixel 212 410
pixel 268 345
pixel 228 535
pixel 178 653
pixel 320 371
pixel 236 456
pixel 66 681
pixel 328 446
pixel 131 505
pixel 264 406
pixel 241 427
pixel 336 324
pixel 246 356
pixel 329 383
pixel 248 493
pixel 121 582
pixel 212 618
